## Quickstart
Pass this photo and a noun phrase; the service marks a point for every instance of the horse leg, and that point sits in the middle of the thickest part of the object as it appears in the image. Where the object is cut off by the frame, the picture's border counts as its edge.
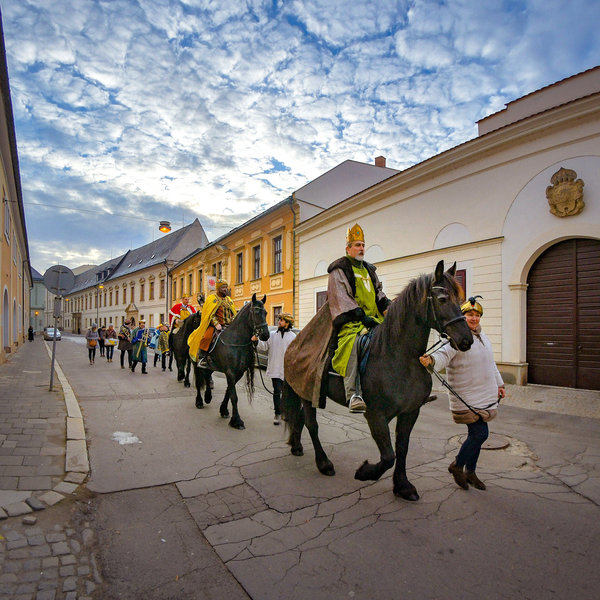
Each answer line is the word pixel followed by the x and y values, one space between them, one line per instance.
pixel 188 366
pixel 199 377
pixel 235 421
pixel 293 414
pixel 380 431
pixel 402 486
pixel 323 463
pixel 223 410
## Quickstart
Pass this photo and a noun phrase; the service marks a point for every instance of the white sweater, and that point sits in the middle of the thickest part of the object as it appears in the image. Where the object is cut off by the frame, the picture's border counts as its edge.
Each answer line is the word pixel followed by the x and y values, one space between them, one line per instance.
pixel 472 374
pixel 276 345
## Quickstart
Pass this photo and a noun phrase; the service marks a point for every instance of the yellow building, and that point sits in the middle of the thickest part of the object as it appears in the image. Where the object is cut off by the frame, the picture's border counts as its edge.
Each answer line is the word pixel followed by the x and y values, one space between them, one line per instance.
pixel 254 258
pixel 15 272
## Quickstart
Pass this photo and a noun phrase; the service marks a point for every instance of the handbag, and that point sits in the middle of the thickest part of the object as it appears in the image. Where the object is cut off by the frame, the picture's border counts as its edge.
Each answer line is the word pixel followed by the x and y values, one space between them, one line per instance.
pixel 110 342
pixel 92 343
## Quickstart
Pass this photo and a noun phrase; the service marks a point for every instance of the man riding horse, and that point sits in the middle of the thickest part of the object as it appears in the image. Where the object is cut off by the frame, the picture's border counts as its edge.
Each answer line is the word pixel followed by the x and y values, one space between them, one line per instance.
pixel 355 304
pixel 218 312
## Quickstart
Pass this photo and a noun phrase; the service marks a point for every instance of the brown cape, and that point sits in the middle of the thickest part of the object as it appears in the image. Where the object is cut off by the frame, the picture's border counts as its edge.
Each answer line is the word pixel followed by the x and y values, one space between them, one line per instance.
pixel 309 354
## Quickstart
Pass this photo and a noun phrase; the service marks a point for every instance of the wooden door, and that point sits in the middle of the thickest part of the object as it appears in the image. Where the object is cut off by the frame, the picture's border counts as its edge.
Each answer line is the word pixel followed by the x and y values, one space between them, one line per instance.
pixel 563 316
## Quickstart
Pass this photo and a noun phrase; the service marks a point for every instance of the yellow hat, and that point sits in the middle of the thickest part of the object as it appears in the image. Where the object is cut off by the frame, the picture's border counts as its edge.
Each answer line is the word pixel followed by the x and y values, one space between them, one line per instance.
pixel 287 318
pixel 472 304
pixel 221 283
pixel 355 234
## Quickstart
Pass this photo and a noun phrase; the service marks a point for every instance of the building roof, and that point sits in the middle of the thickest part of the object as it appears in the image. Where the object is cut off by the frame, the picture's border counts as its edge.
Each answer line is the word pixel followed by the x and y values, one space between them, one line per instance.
pixel 157 252
pixel 344 180
pixel 36 275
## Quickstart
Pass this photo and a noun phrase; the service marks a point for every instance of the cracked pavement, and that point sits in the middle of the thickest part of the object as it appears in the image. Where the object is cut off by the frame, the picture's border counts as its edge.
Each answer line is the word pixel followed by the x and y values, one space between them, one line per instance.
pixel 278 528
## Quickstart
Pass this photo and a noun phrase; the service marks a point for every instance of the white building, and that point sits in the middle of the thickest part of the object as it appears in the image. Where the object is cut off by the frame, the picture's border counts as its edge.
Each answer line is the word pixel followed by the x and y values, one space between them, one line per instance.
pixel 486 205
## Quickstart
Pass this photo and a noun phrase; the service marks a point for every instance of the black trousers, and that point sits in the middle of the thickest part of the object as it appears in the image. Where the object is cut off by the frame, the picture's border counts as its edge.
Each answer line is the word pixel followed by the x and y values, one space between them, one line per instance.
pixel 128 357
pixel 277 388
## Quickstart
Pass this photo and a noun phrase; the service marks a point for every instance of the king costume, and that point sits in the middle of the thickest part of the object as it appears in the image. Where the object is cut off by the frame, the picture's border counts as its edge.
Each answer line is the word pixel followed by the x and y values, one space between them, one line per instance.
pixel 217 310
pixel 355 303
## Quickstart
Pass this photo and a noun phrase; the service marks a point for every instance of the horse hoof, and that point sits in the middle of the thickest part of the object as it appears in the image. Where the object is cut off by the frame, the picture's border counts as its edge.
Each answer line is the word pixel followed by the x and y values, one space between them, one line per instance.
pixel 199 405
pixel 327 469
pixel 239 426
pixel 366 472
pixel 187 384
pixel 225 415
pixel 207 400
pixel 410 495
pixel 297 451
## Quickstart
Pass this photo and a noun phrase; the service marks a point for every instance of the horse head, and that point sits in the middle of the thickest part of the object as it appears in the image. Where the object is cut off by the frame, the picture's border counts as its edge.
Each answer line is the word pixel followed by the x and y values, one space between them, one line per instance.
pixel 443 308
pixel 258 316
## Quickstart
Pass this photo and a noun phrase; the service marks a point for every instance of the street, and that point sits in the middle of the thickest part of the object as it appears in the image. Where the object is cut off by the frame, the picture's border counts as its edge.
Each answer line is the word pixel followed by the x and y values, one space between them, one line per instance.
pixel 191 508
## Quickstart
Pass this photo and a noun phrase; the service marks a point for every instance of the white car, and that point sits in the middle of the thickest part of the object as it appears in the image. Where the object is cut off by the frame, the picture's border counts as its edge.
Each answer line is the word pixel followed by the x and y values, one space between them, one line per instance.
pixel 49 333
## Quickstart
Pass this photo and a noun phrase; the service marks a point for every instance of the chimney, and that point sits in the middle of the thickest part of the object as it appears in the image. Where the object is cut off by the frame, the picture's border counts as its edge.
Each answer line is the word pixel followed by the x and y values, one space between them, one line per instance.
pixel 380 161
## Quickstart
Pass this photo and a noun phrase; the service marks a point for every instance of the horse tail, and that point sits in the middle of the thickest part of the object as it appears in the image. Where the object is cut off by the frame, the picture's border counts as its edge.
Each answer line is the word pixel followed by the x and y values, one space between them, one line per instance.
pixel 250 383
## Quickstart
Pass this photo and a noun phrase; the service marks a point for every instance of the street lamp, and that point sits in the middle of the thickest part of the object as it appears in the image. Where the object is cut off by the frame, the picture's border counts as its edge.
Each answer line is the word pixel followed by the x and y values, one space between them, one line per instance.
pixel 98 288
pixel 164 226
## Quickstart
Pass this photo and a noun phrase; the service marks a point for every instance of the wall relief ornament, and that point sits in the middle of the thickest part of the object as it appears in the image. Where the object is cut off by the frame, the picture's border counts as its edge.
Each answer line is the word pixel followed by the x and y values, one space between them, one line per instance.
pixel 565 195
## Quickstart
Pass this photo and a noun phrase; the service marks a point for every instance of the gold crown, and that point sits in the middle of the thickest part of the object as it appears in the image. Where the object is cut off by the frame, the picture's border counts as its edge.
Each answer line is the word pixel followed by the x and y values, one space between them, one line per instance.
pixel 472 304
pixel 355 234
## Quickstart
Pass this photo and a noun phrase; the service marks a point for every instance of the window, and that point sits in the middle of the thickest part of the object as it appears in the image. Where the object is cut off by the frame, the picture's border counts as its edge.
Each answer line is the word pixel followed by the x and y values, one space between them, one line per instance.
pixel 6 220
pixel 200 280
pixel 277 264
pixel 321 299
pixel 162 317
pixel 174 295
pixel 161 290
pixel 110 298
pixel 276 312
pixel 116 297
pixel 151 290
pixel 214 269
pixel 181 288
pixel 256 262
pixel 191 282
pixel 132 294
pixel 461 277
pixel 142 292
pixel 105 294
pixel 124 295
pixel 239 274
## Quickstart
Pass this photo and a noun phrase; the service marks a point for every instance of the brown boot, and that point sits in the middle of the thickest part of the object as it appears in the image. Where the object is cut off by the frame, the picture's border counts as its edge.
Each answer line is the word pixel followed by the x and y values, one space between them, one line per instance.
pixel 474 480
pixel 459 475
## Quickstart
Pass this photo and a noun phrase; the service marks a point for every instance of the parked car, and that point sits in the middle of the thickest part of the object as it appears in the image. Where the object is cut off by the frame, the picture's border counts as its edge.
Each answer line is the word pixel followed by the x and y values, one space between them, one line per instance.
pixel 49 333
pixel 263 355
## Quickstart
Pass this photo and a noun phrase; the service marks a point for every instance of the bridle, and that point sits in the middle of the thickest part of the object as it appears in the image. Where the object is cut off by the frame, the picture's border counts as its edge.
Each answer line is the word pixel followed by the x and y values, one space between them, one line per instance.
pixel 440 327
pixel 255 330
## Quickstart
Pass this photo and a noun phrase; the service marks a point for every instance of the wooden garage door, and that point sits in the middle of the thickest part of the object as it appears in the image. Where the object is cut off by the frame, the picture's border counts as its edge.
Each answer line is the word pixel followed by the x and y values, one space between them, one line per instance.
pixel 563 316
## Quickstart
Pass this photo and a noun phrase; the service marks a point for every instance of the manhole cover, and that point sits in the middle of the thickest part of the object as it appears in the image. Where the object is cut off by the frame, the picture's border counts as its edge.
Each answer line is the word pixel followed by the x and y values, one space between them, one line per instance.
pixel 494 442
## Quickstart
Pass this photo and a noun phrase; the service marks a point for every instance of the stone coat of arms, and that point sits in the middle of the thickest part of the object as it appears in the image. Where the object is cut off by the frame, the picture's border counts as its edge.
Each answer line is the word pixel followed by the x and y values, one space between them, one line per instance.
pixel 565 195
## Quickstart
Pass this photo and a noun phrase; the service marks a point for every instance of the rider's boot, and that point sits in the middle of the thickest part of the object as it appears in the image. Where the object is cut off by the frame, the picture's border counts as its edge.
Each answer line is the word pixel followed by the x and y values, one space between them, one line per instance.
pixel 356 403
pixel 202 354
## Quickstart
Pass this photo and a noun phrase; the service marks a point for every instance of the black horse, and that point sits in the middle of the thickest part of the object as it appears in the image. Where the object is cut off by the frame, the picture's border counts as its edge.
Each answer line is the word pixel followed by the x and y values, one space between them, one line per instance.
pixel 233 355
pixel 179 347
pixel 394 383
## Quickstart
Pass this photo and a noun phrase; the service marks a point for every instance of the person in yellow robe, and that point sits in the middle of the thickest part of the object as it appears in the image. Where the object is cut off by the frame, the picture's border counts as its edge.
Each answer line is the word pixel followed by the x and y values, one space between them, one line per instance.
pixel 218 311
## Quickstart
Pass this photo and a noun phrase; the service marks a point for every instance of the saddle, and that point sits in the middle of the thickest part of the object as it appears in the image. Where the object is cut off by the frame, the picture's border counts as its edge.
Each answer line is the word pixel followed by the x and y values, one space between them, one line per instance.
pixel 364 349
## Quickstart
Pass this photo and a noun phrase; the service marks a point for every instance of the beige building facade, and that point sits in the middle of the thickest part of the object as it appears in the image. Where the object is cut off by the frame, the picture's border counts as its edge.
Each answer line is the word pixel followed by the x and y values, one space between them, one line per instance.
pixel 512 207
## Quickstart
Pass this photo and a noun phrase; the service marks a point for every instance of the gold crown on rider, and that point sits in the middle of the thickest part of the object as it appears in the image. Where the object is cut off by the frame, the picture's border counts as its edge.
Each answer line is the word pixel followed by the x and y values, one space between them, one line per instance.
pixel 355 234
pixel 220 283
pixel 472 304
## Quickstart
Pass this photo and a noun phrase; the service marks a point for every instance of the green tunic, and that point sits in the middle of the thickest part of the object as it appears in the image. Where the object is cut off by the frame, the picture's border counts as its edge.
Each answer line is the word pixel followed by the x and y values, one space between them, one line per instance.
pixel 366 299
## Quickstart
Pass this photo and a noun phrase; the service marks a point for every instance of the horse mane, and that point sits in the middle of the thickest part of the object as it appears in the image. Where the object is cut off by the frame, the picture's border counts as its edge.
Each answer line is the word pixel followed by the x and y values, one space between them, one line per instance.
pixel 410 301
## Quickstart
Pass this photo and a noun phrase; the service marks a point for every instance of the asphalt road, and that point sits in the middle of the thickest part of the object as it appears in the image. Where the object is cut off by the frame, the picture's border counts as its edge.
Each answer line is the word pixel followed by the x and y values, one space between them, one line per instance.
pixel 192 508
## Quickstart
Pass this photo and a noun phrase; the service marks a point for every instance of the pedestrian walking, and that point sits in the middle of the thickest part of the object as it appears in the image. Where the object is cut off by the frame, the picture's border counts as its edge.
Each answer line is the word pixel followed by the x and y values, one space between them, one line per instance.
pixel 162 346
pixel 101 338
pixel 110 342
pixel 139 341
pixel 125 343
pixel 30 334
pixel 276 346
pixel 92 338
pixel 476 379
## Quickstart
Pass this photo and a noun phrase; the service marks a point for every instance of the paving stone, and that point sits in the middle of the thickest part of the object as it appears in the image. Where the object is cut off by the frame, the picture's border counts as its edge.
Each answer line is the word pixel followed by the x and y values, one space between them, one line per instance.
pixel 36 540
pixel 69 584
pixel 51 561
pixel 68 560
pixel 3 514
pixel 35 503
pixel 20 542
pixel 17 509
pixel 51 573
pixel 51 538
pixel 65 488
pixel 67 571
pixel 30 520
pixel 46 595
pixel 75 546
pixel 60 548
pixel 74 477
pixel 51 498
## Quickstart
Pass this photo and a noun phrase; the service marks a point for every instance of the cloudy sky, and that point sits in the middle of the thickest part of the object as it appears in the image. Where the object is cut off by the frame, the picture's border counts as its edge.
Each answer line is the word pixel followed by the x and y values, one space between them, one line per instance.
pixel 132 111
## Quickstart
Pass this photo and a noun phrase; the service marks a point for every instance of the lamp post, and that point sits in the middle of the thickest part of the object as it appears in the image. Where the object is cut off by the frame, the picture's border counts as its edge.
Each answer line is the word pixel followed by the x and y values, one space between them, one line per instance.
pixel 98 288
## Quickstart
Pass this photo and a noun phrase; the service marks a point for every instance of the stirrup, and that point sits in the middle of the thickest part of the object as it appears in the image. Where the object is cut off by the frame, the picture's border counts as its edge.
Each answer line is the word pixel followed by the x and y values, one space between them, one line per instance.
pixel 357 404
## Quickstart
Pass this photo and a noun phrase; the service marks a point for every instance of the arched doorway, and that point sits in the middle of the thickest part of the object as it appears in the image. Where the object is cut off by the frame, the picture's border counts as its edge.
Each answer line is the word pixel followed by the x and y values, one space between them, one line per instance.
pixel 563 316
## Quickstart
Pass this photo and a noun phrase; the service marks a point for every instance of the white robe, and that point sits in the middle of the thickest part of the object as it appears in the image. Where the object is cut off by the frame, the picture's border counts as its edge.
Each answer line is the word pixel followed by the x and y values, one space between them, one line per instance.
pixel 276 346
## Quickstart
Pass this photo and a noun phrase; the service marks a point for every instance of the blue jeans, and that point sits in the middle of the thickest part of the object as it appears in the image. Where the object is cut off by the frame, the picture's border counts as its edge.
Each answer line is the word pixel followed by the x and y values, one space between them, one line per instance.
pixel 469 451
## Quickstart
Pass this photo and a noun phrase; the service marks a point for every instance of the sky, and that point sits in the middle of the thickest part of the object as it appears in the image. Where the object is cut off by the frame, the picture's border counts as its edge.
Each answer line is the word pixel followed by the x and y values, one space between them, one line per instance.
pixel 128 112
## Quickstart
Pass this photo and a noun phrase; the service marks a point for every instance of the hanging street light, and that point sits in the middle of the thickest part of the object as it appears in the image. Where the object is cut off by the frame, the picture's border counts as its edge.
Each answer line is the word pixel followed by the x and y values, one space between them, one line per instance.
pixel 165 226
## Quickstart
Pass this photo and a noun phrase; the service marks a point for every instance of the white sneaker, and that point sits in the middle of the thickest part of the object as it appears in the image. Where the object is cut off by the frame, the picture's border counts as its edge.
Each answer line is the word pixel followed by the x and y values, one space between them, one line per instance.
pixel 357 404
